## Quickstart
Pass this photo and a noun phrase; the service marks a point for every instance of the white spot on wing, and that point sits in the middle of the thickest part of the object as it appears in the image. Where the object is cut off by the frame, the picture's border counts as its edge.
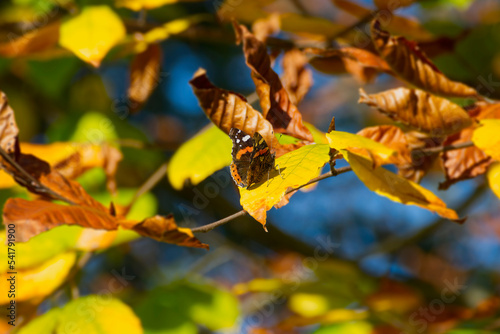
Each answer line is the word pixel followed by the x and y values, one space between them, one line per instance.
pixel 246 138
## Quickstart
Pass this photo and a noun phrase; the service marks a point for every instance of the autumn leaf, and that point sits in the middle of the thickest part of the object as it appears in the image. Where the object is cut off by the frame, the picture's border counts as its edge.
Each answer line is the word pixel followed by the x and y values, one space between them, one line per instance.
pixel 412 65
pixel 493 176
pixel 8 126
pixel 482 110
pixel 276 105
pixel 396 188
pixel 362 64
pixel 487 137
pixel 464 163
pixel 137 5
pixel 379 153
pixel 93 314
pixel 144 76
pixel 198 158
pixel 392 137
pixel 33 42
pixel 421 110
pixel 295 169
pixel 92 33
pixel 297 79
pixel 262 28
pixel 228 110
pixel 39 281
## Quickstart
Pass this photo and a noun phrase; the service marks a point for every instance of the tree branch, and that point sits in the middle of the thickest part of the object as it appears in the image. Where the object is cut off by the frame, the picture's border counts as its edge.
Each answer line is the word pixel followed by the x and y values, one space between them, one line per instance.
pixel 418 153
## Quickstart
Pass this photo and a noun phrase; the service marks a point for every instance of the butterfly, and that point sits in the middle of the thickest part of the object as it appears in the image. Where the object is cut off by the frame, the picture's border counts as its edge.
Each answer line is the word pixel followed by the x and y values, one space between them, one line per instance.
pixel 252 158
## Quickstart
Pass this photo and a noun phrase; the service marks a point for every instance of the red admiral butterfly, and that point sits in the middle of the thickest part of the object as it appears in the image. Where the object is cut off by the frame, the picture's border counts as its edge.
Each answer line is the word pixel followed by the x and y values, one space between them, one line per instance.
pixel 252 158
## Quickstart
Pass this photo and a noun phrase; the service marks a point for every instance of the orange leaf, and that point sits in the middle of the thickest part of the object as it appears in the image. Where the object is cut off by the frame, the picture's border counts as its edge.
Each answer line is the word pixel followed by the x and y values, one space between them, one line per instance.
pixel 33 42
pixel 144 76
pixel 421 110
pixel 412 65
pixel 274 100
pixel 297 79
pixel 8 126
pixel 228 109
pixel 464 163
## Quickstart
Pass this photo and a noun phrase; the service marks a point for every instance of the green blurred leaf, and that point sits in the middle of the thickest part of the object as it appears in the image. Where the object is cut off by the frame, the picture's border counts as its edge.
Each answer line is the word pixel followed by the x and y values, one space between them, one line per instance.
pixel 207 152
pixel 52 77
pixel 45 323
pixel 181 306
pixel 358 327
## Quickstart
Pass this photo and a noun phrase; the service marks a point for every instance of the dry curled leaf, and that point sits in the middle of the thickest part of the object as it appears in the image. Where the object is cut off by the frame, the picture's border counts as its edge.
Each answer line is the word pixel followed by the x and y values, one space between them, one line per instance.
pixel 297 79
pixel 8 126
pixel 362 64
pixel 144 76
pixel 421 162
pixel 412 65
pixel 33 42
pixel 264 27
pixel 228 109
pixel 392 137
pixel 274 100
pixel 464 163
pixel 423 111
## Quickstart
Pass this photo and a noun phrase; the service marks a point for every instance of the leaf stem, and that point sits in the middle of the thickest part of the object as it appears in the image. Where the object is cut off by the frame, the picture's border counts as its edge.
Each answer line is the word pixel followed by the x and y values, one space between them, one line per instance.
pixel 438 149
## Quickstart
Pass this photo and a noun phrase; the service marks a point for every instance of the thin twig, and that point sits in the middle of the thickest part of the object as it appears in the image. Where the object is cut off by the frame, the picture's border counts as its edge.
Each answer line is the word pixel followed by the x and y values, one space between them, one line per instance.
pixel 438 149
pixel 32 181
pixel 211 226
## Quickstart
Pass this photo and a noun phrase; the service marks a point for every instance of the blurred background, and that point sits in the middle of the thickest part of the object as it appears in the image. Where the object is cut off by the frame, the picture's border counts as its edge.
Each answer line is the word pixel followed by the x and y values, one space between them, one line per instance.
pixel 337 248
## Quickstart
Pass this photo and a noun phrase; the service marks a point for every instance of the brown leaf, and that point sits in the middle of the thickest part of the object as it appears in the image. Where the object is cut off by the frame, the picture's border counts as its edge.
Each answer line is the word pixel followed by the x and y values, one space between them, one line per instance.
pixel 228 109
pixel 423 111
pixel 144 76
pixel 408 26
pixel 166 230
pixel 412 65
pixel 297 79
pixel 8 126
pixel 362 64
pixel 274 100
pixel 464 163
pixel 483 110
pixel 262 28
pixel 420 163
pixel 33 42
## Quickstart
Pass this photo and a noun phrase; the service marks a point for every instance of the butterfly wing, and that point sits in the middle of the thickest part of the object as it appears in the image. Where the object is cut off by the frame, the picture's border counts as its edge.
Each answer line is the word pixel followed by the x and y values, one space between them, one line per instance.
pixel 242 153
pixel 262 160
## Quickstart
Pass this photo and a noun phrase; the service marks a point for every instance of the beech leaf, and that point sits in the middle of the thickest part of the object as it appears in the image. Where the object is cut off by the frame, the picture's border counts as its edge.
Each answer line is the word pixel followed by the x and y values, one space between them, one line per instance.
pixel 412 65
pixel 144 76
pixel 8 126
pixel 92 33
pixel 487 137
pixel 137 5
pixel 421 110
pixel 396 188
pixel 33 42
pixel 493 176
pixel 297 79
pixel 296 168
pixel 276 105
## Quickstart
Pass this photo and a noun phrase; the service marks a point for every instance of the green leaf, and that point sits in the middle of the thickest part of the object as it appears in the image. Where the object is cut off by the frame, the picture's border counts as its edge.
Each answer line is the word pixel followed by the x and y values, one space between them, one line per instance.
pixel 184 305
pixel 201 156
pixel 358 327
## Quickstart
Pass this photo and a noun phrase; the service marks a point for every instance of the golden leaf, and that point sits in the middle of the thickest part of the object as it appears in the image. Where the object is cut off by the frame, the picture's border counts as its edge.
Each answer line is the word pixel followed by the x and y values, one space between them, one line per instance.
pixel 493 176
pixel 33 42
pixel 137 5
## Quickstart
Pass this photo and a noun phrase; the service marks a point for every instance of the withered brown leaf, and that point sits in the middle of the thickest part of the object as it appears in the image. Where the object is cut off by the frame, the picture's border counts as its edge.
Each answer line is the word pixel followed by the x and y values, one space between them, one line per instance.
pixel 144 76
pixel 276 105
pixel 412 65
pixel 421 110
pixel 8 126
pixel 297 78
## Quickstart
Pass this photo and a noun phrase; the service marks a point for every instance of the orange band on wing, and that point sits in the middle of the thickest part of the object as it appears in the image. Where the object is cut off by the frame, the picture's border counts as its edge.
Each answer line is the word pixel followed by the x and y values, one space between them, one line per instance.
pixel 261 152
pixel 243 151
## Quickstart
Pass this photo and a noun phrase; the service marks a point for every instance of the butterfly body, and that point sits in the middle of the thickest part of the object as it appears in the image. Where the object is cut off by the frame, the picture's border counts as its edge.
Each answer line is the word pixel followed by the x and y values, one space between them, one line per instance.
pixel 252 158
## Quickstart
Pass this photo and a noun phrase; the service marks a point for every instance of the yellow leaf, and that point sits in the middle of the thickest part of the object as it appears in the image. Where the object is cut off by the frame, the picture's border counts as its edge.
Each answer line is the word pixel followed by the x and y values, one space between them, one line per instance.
pixel 487 137
pixel 137 5
pixel 296 168
pixel 396 188
pixel 493 176
pixel 201 156
pixel 92 33
pixel 361 145
pixel 38 281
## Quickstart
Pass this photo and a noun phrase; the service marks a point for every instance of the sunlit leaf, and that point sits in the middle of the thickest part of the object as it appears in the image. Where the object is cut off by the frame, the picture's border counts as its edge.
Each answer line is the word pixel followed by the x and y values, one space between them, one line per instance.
pixel 201 156
pixel 421 110
pixel 8 126
pixel 33 42
pixel 164 31
pixel 296 168
pixel 90 315
pixel 184 306
pixel 358 144
pixel 396 188
pixel 138 5
pixel 357 327
pixel 41 280
pixel 493 176
pixel 297 79
pixel 228 110
pixel 412 65
pixel 92 33
pixel 276 105
pixel 332 316
pixel 487 137
pixel 144 76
